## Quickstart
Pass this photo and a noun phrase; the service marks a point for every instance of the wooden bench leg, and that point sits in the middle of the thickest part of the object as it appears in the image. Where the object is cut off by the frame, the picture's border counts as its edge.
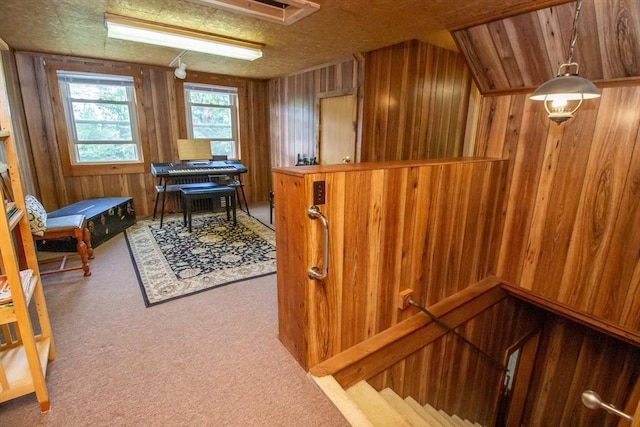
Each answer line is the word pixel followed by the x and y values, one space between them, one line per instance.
pixel 82 251
pixel 86 237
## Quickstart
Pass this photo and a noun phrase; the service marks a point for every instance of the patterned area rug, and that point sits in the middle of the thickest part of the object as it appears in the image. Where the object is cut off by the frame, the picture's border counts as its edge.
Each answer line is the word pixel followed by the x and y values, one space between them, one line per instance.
pixel 171 262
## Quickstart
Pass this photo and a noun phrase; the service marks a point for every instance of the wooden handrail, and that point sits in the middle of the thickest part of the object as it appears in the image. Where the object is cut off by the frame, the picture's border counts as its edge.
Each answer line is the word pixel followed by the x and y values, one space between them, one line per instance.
pixel 381 351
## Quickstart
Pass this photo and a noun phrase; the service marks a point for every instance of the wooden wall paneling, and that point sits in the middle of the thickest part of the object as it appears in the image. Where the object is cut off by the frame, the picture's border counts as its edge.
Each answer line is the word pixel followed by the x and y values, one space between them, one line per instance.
pixel 524 51
pixel 19 131
pixel 163 118
pixel 573 359
pixel 557 35
pixel 421 97
pixel 490 207
pixel 562 178
pixel 376 109
pixel 450 375
pixel 478 47
pixel 527 168
pixel 613 302
pixel 162 121
pixel 528 46
pixel 599 203
pixel 359 296
pixel 257 141
pixel 398 221
pixel 501 37
pixel 414 232
pixel 492 126
pixel 290 219
pixel 275 119
pixel 618 24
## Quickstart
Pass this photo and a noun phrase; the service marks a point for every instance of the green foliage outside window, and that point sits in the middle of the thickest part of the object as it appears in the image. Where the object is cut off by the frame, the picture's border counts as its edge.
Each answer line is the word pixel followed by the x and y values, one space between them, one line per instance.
pixel 101 117
pixel 212 115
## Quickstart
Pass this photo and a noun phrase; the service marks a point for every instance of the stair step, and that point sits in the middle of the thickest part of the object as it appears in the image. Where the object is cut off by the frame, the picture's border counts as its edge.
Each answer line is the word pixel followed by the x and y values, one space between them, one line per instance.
pixel 341 400
pixel 441 417
pixel 434 421
pixel 375 407
pixel 407 412
pixel 457 420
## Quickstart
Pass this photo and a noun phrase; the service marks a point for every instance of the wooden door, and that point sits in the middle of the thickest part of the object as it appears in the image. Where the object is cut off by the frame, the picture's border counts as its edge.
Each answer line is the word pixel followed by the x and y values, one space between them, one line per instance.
pixel 337 139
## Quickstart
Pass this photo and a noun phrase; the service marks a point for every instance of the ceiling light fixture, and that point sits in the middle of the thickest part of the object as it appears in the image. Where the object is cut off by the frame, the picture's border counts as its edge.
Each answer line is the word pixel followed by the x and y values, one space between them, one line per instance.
pixel 181 71
pixel 563 95
pixel 131 29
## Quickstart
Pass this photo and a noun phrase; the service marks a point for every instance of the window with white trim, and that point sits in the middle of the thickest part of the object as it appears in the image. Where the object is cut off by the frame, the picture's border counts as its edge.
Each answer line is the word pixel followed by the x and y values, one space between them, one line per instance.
pixel 101 118
pixel 212 113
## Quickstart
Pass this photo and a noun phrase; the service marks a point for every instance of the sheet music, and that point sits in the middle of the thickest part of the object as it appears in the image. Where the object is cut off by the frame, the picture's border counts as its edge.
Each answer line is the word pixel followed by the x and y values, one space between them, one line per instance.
pixel 194 149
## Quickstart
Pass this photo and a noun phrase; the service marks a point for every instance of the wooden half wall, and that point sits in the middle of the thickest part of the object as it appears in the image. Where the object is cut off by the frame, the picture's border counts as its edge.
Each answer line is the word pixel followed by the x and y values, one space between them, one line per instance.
pixel 162 124
pixel 420 225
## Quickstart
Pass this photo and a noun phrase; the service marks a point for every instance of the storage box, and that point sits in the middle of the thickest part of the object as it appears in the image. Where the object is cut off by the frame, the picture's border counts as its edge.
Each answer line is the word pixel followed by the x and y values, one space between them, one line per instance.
pixel 106 217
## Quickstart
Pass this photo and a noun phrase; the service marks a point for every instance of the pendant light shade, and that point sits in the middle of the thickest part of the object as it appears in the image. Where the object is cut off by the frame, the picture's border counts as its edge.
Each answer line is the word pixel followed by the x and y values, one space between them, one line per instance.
pixel 563 95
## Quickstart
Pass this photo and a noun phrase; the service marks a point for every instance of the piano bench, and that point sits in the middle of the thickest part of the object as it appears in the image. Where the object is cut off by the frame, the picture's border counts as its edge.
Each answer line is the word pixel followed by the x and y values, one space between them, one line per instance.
pixel 172 188
pixel 190 194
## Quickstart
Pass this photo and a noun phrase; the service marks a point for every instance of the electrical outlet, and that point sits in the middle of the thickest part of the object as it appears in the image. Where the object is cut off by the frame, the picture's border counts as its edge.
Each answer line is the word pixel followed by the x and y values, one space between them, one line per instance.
pixel 403 298
pixel 318 193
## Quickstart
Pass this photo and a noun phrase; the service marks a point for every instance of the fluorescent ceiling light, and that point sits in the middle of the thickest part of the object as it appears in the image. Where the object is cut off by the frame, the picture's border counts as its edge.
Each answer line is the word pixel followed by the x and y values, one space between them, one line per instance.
pixel 136 30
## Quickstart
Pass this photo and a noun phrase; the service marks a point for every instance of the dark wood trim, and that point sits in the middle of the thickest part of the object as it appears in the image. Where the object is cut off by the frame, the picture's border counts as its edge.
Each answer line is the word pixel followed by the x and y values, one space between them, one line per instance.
pixel 570 313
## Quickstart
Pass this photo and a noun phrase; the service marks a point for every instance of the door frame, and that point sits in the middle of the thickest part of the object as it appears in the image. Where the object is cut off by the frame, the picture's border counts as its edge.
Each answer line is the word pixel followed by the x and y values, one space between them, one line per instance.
pixel 333 94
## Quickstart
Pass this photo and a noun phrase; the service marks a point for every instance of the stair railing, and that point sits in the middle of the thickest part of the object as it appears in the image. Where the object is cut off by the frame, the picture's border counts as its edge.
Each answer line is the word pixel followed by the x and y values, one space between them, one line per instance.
pixel 448 328
pixel 592 400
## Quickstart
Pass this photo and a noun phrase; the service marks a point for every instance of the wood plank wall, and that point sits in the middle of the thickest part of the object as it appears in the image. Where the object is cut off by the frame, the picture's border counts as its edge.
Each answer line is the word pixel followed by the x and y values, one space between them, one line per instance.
pixel 570 229
pixel 452 376
pixel 163 127
pixel 416 101
pixel 293 108
pixel 571 360
pixel 571 222
pixel 18 120
pixel 525 50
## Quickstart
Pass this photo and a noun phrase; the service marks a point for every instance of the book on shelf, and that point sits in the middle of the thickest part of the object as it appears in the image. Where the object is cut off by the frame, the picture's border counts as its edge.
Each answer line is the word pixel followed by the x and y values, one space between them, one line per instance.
pixel 5 290
pixel 11 208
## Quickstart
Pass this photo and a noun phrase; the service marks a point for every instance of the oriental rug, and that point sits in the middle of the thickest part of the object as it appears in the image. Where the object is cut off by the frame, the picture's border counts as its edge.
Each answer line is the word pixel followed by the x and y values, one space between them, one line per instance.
pixel 172 263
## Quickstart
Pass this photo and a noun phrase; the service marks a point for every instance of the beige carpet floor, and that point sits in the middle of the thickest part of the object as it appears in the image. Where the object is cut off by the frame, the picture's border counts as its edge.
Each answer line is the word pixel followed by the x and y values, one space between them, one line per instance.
pixel 211 359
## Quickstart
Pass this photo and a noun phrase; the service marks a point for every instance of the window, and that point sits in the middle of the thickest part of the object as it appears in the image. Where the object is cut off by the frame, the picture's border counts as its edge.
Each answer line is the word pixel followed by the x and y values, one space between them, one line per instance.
pixel 212 113
pixel 101 118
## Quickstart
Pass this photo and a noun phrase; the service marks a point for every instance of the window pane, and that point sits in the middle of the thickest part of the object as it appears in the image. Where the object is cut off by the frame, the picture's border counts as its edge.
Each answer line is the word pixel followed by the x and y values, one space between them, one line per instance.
pixel 211 115
pixel 106 152
pixel 103 131
pixel 100 112
pixel 94 91
pixel 197 97
pixel 212 131
pixel 100 108
pixel 222 148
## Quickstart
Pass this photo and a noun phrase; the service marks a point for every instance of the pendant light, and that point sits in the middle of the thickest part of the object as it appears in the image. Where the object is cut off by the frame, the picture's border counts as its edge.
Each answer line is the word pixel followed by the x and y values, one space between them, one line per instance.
pixel 563 95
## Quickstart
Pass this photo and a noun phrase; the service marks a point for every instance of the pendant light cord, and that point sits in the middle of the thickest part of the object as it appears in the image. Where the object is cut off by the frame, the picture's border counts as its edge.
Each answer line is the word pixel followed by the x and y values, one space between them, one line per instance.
pixel 574 34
